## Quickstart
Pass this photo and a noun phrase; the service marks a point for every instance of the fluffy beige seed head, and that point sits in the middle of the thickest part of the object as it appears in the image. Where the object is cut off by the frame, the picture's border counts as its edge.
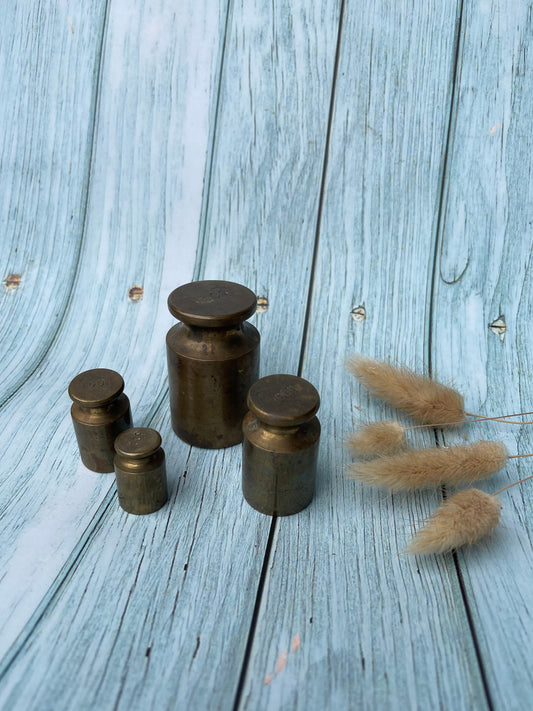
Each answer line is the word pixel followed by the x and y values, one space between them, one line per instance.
pixel 377 438
pixel 462 520
pixel 426 400
pixel 424 468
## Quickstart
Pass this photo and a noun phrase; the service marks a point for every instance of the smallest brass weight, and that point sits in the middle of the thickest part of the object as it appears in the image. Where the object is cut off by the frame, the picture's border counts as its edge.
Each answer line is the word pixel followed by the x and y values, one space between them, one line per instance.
pixel 280 445
pixel 140 471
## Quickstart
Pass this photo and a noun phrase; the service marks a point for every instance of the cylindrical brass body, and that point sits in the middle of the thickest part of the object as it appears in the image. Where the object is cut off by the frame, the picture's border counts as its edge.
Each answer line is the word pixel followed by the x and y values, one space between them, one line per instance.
pixel 140 471
pixel 100 412
pixel 280 445
pixel 213 359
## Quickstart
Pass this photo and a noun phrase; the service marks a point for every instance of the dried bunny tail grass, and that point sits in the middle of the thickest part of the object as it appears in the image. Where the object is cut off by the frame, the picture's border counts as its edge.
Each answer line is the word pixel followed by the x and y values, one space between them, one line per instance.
pixel 462 520
pixel 426 400
pixel 424 468
pixel 377 438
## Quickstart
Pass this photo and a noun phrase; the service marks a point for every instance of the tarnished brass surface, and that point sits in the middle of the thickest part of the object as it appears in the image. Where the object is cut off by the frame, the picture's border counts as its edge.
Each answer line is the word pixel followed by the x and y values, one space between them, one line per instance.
pixel 140 471
pixel 213 359
pixel 280 445
pixel 100 411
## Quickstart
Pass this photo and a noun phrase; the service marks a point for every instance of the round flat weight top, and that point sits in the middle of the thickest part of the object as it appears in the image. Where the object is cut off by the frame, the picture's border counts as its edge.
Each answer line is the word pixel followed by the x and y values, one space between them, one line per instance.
pixel 283 400
pixel 212 303
pixel 95 387
pixel 137 442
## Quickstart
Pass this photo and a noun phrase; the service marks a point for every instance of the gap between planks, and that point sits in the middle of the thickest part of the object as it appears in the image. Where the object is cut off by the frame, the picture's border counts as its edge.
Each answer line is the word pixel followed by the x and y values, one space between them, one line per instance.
pixel 432 296
pixel 274 523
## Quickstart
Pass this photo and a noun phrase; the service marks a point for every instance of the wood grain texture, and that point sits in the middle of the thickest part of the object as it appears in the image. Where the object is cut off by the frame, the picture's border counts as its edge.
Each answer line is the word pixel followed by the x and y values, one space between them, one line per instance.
pixel 484 269
pixel 181 585
pixel 346 619
pixel 48 84
pixel 156 612
pixel 264 188
pixel 158 83
pixel 211 118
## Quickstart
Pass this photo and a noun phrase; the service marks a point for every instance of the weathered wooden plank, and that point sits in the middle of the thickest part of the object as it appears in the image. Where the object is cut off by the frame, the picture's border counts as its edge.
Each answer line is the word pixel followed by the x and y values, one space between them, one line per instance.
pixel 159 80
pixel 484 276
pixel 49 64
pixel 157 611
pixel 346 620
pixel 264 193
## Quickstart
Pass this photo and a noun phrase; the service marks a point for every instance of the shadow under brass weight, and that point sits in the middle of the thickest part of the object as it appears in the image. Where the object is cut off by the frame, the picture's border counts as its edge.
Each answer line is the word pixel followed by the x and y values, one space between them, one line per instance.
pixel 280 445
pixel 100 412
pixel 213 359
pixel 140 471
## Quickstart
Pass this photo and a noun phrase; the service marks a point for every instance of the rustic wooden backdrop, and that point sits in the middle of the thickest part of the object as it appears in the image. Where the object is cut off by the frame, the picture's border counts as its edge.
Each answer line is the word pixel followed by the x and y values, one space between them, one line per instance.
pixel 366 168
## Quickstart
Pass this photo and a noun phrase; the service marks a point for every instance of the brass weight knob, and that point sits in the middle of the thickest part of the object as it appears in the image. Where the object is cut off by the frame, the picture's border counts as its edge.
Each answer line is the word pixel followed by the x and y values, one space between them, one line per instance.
pixel 100 412
pixel 280 445
pixel 213 359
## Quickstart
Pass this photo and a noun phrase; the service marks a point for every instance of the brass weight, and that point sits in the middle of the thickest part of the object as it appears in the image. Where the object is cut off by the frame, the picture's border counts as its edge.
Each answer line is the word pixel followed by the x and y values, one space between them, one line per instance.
pixel 213 359
pixel 280 445
pixel 140 471
pixel 100 411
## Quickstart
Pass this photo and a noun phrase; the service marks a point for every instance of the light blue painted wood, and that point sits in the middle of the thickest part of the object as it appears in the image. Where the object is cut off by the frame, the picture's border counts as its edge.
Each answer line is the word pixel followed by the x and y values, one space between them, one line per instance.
pixel 347 620
pixel 158 83
pixel 108 610
pixel 49 64
pixel 265 184
pixel 484 273
pixel 180 586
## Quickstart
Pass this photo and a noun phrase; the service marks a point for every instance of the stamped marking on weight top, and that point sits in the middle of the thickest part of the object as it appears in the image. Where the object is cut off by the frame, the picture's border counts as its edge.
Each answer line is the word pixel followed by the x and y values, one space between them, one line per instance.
pixel 214 294
pixel 95 383
pixel 285 393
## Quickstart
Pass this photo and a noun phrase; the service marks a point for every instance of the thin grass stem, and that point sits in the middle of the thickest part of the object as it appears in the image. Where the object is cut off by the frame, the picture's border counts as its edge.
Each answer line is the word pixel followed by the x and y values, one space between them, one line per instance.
pixel 520 481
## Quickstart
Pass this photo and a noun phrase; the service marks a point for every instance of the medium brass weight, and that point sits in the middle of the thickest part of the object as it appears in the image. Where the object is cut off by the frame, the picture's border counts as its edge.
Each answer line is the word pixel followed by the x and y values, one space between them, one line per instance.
pixel 280 445
pixel 213 359
pixel 100 411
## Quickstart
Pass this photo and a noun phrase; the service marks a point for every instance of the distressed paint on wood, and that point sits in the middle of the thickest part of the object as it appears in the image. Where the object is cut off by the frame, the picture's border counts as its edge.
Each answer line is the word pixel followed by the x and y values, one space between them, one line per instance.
pixel 142 222
pixel 48 83
pixel 347 620
pixel 162 609
pixel 143 615
pixel 484 276
pixel 264 191
pixel 130 551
